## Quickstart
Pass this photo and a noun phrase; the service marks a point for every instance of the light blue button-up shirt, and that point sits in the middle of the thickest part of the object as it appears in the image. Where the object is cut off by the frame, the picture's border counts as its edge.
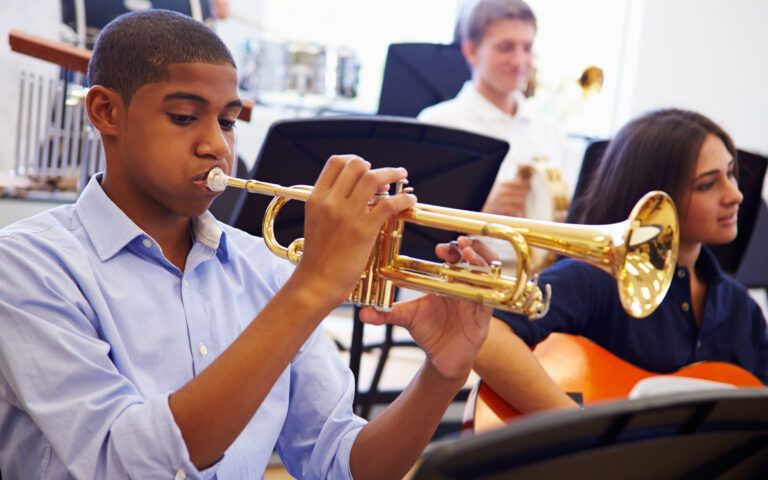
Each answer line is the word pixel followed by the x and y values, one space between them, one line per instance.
pixel 97 328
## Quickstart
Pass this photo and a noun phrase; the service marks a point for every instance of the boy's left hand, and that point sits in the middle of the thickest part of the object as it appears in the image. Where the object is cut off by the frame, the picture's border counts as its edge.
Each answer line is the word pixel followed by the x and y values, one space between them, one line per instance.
pixel 449 330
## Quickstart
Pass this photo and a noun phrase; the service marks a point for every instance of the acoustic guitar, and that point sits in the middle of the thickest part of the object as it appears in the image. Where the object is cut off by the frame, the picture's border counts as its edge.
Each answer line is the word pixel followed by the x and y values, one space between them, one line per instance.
pixel 586 370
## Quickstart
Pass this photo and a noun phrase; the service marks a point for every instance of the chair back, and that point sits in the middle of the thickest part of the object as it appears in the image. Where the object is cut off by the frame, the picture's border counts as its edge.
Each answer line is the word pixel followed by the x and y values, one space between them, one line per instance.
pixel 417 75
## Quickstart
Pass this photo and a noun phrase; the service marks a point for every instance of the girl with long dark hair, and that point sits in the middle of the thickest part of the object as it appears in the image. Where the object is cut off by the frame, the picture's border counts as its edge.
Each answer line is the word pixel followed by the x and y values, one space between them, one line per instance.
pixel 705 315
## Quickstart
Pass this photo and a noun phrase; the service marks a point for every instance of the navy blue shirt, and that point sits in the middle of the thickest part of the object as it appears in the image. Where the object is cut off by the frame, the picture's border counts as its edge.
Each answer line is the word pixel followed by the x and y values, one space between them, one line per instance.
pixel 585 302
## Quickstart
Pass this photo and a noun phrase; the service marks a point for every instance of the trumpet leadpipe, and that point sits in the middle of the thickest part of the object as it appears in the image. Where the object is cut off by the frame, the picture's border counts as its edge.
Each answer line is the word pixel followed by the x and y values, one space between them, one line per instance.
pixel 217 181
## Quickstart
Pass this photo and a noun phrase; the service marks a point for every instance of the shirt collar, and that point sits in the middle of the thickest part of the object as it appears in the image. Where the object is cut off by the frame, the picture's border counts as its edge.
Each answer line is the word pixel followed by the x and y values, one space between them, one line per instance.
pixel 487 109
pixel 111 230
pixel 707 265
pixel 208 232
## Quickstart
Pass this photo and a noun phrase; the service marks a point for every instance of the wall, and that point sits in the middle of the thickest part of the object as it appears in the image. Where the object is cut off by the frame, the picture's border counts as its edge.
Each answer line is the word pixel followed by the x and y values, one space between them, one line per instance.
pixel 701 54
pixel 708 55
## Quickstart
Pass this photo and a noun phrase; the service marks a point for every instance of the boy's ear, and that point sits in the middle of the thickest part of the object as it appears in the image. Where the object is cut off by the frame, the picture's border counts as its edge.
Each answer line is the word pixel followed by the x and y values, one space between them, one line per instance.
pixel 469 50
pixel 105 108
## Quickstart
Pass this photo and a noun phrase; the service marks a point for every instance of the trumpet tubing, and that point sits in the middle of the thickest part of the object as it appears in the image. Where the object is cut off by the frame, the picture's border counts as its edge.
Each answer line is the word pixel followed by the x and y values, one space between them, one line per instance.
pixel 640 252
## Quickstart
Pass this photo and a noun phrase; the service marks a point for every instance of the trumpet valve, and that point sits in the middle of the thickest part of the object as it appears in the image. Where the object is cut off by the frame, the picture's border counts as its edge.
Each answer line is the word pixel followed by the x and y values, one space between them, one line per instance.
pixel 542 305
pixel 400 187
pixel 495 268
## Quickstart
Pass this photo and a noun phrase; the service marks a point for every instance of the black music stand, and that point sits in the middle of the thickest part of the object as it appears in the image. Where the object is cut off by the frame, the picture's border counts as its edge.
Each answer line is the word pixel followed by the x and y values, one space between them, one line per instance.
pixel 713 434
pixel 417 75
pixel 446 167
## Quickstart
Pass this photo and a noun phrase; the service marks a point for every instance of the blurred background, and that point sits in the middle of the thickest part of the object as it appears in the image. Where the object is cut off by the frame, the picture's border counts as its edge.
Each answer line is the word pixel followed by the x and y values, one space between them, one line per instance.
pixel 707 55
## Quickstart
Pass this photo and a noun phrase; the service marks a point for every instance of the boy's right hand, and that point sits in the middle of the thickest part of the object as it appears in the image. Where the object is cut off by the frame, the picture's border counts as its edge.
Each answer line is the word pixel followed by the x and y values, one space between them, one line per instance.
pixel 340 228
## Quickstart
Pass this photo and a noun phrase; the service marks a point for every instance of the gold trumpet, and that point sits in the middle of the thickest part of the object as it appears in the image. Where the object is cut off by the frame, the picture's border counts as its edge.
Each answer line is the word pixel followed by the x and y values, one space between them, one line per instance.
pixel 640 252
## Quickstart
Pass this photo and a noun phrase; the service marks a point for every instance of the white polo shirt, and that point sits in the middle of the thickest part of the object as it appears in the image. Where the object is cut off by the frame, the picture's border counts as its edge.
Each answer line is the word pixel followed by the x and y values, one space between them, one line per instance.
pixel 529 134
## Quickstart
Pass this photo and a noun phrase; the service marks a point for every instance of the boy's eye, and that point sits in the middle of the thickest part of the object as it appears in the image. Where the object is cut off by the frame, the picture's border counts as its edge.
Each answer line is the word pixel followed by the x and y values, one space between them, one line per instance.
pixel 181 119
pixel 227 125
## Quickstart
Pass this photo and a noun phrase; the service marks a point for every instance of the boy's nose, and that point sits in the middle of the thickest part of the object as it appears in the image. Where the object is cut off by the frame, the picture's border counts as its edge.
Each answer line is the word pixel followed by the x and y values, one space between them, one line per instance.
pixel 520 56
pixel 215 143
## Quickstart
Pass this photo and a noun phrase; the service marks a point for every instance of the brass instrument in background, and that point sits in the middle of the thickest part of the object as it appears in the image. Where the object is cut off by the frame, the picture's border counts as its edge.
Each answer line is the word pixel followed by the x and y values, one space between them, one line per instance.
pixel 550 180
pixel 640 252
pixel 591 80
pixel 548 200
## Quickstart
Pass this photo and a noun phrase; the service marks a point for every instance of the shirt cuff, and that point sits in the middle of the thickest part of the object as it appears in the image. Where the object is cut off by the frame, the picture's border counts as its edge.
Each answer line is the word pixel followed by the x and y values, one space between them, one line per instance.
pixel 147 440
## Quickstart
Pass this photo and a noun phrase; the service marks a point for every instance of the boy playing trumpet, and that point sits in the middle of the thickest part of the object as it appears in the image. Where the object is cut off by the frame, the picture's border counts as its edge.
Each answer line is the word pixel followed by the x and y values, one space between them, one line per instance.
pixel 142 338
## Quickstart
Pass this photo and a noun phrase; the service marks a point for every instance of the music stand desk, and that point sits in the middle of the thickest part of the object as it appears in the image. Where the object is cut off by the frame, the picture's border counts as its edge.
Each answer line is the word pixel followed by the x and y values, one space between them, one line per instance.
pixel 693 435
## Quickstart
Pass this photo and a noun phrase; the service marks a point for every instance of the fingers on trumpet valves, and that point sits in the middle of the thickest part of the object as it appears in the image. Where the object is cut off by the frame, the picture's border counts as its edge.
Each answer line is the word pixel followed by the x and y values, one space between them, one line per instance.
pixel 384 192
pixel 456 249
pixel 400 187
pixel 479 263
pixel 378 196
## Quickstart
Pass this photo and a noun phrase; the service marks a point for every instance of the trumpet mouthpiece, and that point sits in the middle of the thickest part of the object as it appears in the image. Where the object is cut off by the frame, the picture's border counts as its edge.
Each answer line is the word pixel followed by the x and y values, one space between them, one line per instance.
pixel 216 181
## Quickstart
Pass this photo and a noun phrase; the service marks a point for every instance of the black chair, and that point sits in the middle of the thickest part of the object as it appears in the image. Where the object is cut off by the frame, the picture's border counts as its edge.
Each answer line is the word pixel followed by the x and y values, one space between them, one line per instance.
pixel 752 271
pixel 417 75
pixel 439 161
pixel 714 434
pixel 732 256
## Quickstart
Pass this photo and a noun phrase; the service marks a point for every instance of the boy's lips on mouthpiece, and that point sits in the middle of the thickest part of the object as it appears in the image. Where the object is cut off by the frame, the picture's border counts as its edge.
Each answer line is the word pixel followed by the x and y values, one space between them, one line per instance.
pixel 216 180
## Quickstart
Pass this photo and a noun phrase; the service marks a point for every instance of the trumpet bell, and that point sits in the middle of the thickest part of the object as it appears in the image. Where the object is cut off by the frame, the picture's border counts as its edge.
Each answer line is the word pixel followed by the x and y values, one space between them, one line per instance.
pixel 640 252
pixel 651 244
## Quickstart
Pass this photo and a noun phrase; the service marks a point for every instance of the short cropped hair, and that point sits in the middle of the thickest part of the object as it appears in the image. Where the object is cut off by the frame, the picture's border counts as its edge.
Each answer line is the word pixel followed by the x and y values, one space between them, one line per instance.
pixel 136 48
pixel 477 15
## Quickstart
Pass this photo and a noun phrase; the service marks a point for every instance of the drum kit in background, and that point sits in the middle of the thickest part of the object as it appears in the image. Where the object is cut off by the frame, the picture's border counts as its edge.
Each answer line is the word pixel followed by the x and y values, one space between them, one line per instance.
pixel 303 68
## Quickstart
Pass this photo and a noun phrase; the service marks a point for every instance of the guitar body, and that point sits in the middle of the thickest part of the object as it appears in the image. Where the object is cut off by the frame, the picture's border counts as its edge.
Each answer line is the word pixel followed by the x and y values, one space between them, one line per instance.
pixel 579 365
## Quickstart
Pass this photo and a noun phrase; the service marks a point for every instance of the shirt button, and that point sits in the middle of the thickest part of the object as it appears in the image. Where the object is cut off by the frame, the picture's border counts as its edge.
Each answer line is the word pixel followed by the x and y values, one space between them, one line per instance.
pixel 681 273
pixel 698 343
pixel 685 306
pixel 184 284
pixel 180 475
pixel 147 243
pixel 203 350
